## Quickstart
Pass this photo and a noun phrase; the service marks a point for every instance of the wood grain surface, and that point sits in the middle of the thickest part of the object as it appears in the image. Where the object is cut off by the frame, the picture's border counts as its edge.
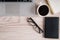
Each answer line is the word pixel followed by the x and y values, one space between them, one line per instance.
pixel 17 28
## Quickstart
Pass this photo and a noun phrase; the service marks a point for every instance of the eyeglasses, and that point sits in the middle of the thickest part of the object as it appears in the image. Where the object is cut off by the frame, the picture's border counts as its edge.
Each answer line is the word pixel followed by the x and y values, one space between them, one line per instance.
pixel 34 24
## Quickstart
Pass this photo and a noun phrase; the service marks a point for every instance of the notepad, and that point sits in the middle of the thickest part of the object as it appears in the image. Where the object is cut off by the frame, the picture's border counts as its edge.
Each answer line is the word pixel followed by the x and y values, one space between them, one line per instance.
pixel 51 29
pixel 55 5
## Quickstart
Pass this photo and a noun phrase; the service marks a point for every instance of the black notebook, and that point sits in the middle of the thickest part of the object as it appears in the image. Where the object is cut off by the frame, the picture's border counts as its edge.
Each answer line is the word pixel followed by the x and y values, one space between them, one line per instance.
pixel 51 29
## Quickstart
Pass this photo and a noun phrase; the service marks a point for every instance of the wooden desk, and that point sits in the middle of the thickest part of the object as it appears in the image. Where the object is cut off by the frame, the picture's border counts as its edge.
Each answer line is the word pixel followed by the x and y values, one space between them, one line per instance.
pixel 17 28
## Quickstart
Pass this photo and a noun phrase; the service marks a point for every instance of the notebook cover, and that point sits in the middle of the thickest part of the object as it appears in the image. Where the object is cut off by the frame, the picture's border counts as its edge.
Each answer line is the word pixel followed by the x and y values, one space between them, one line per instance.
pixel 51 27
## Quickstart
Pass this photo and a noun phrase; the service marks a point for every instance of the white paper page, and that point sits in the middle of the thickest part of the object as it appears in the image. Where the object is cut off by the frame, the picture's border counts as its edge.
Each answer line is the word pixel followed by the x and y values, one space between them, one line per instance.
pixel 55 5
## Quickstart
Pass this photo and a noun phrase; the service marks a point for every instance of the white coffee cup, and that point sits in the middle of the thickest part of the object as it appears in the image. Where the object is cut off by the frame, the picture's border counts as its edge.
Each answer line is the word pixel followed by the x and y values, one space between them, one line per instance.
pixel 41 8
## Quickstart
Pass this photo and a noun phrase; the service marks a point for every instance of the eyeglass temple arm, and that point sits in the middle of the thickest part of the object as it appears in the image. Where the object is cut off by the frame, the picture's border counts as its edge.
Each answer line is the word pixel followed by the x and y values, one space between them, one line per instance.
pixel 36 24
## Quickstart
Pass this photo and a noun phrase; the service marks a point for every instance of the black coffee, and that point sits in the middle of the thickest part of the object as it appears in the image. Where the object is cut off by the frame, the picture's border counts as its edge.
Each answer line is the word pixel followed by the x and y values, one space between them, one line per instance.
pixel 43 10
